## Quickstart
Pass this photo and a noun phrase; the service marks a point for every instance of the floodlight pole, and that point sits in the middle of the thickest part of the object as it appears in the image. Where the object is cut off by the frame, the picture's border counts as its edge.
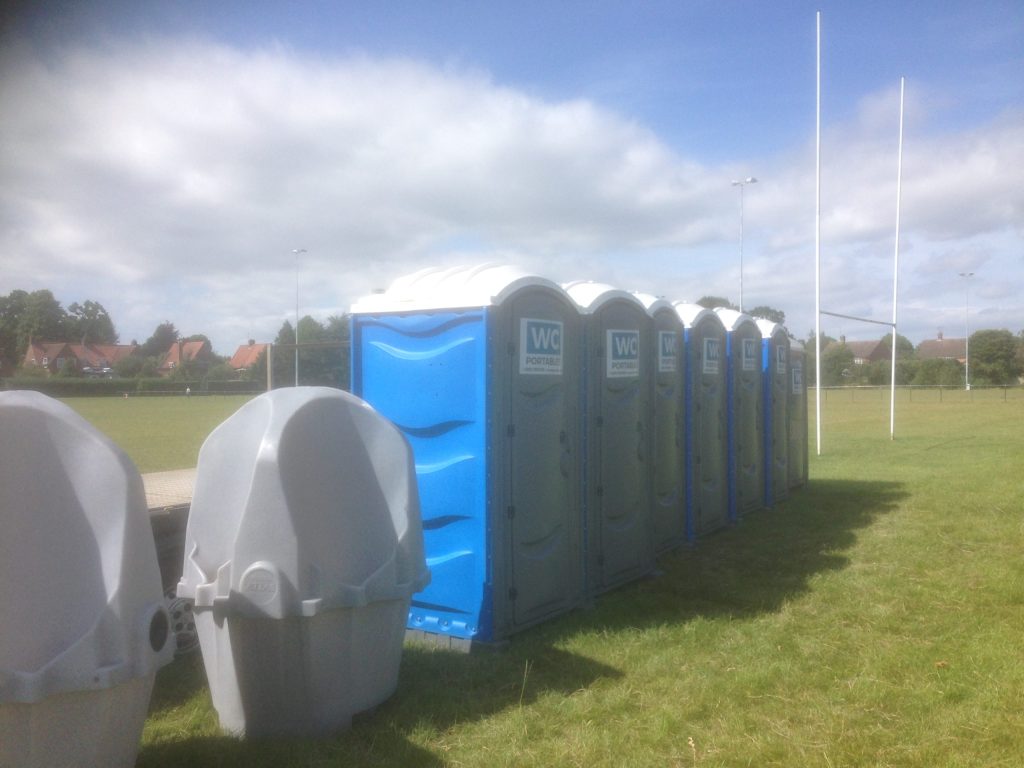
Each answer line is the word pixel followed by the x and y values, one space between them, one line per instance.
pixel 967 330
pixel 741 185
pixel 297 251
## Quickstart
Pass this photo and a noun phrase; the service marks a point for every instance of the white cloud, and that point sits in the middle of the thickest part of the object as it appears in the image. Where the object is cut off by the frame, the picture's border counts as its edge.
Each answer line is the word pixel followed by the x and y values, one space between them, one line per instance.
pixel 172 181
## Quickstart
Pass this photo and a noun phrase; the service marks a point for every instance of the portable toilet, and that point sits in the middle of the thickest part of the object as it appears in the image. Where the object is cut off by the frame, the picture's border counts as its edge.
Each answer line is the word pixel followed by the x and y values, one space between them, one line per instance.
pixel 480 369
pixel 302 550
pixel 706 419
pixel 617 434
pixel 776 387
pixel 668 430
pixel 797 458
pixel 84 622
pixel 745 418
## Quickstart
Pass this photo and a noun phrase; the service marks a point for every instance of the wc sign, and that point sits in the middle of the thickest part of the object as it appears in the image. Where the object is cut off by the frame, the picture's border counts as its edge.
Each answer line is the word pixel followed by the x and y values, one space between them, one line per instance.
pixel 798 377
pixel 781 354
pixel 712 354
pixel 540 346
pixel 666 352
pixel 749 355
pixel 623 357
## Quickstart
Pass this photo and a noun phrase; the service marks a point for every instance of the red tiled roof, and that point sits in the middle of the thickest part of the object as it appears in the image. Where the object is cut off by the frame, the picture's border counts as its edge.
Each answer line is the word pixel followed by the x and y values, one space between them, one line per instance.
pixel 86 355
pixel 942 349
pixel 247 355
pixel 183 352
pixel 868 351
pixel 37 350
pixel 101 355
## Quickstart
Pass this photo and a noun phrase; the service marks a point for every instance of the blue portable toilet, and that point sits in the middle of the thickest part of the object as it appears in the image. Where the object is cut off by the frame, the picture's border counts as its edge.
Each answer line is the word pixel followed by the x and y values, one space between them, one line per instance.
pixel 617 391
pixel 797 460
pixel 668 430
pixel 776 386
pixel 706 420
pixel 480 369
pixel 744 400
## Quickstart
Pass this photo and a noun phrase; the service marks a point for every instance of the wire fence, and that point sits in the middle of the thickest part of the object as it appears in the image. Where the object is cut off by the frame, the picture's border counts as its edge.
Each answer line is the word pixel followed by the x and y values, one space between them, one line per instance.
pixel 923 393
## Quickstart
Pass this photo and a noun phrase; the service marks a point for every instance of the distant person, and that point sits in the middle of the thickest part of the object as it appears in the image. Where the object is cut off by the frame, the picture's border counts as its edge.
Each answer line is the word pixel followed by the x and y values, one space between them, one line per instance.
pixel 188 391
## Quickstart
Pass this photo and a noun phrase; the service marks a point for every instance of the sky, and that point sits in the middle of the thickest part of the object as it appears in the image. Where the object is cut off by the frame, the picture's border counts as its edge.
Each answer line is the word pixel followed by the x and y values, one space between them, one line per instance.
pixel 168 159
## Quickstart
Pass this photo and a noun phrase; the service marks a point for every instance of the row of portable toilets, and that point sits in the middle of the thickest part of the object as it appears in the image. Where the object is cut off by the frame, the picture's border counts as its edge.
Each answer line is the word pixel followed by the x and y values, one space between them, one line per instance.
pixel 520 447
pixel 566 435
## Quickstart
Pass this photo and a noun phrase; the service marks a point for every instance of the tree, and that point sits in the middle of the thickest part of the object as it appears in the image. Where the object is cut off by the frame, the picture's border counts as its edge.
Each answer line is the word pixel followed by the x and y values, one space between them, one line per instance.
pixel 89 322
pixel 12 307
pixel 809 352
pixel 220 372
pixel 904 346
pixel 135 366
pixel 939 371
pixel 994 358
pixel 326 365
pixel 836 365
pixel 42 318
pixel 768 313
pixel 161 340
pixel 339 327
pixel 712 302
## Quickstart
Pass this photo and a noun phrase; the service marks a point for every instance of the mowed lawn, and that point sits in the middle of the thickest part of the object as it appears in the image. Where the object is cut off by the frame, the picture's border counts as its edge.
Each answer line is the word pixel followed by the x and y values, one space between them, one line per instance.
pixel 158 433
pixel 876 618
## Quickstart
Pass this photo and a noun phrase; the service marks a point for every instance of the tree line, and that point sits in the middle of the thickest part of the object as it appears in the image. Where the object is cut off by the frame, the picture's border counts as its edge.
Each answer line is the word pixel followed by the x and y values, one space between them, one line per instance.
pixel 38 315
pixel 996 356
pixel 996 359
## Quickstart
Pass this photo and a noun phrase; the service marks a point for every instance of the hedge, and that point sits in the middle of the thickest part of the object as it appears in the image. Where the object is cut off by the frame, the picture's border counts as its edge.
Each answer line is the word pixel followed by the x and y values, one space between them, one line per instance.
pixel 59 387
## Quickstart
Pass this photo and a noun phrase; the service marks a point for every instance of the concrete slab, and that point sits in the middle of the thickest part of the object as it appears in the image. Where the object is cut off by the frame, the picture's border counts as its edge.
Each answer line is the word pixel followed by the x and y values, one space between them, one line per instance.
pixel 169 490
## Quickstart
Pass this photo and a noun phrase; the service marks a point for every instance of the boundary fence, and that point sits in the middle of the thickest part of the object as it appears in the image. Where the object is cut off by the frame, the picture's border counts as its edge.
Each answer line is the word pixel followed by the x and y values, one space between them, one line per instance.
pixel 923 393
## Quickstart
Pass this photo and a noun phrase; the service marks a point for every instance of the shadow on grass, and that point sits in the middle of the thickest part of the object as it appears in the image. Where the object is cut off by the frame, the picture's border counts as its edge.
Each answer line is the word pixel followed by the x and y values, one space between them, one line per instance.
pixel 437 689
pixel 380 747
pixel 747 570
pixel 755 567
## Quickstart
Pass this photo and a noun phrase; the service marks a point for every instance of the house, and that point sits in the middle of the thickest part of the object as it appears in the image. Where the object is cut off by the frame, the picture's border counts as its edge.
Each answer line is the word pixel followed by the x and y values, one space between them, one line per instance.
pixel 864 351
pixel 942 349
pixel 89 359
pixel 197 355
pixel 247 355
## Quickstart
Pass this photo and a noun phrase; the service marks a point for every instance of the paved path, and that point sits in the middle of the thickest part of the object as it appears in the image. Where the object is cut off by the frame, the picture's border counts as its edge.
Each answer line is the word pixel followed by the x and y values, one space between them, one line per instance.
pixel 168 490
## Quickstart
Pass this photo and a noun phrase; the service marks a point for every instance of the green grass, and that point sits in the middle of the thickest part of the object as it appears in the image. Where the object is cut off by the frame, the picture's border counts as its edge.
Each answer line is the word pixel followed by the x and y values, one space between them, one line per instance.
pixel 873 619
pixel 158 433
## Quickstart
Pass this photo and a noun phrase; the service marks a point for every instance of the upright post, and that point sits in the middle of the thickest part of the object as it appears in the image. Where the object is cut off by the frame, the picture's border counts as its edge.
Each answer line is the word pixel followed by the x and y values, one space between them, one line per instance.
pixel 817 241
pixel 896 272
pixel 269 356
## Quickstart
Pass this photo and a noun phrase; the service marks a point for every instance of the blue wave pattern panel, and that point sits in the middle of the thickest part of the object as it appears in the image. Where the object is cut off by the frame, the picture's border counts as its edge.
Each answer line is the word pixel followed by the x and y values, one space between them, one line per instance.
pixel 427 373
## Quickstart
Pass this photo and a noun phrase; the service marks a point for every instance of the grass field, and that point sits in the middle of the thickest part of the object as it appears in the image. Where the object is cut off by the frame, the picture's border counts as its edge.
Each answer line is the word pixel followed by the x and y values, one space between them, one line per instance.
pixel 158 433
pixel 876 618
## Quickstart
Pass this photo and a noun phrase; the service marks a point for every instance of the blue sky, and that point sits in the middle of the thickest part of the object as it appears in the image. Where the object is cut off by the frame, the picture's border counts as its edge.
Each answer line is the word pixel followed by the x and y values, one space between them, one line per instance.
pixel 165 158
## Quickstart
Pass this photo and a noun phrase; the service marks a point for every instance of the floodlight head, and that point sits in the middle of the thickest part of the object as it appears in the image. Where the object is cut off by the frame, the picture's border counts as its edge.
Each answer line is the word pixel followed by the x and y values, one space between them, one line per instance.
pixel 966 274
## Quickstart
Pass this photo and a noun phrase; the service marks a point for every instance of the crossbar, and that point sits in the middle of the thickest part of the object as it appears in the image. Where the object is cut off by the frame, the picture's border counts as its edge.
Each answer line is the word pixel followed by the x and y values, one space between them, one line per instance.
pixel 860 319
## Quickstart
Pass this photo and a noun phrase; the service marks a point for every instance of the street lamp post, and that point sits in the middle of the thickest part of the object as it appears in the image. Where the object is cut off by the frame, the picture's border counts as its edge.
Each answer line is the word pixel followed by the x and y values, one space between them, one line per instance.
pixel 741 185
pixel 967 329
pixel 297 251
